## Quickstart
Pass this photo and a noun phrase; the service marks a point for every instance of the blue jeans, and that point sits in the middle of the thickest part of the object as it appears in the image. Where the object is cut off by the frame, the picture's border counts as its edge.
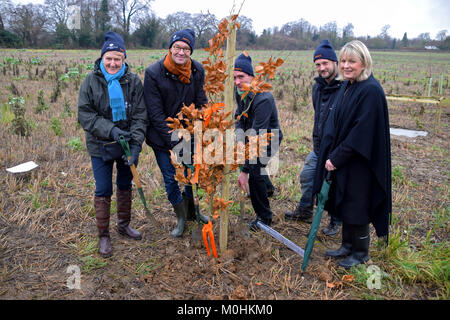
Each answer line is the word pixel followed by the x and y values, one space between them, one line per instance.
pixel 168 173
pixel 307 180
pixel 103 172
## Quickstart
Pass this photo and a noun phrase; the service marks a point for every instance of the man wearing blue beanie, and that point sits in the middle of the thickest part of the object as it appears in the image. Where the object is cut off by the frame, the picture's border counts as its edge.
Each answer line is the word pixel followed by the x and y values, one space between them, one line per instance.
pixel 323 95
pixel 185 35
pixel 262 116
pixel 169 84
pixel 243 63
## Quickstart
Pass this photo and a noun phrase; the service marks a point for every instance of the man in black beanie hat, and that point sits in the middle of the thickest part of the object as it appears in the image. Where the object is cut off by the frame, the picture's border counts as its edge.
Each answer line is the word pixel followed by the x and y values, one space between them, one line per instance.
pixel 169 84
pixel 323 94
pixel 262 116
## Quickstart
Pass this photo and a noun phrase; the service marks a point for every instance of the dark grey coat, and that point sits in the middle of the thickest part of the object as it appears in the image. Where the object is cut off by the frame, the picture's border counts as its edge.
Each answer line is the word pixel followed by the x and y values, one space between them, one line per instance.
pixel 94 112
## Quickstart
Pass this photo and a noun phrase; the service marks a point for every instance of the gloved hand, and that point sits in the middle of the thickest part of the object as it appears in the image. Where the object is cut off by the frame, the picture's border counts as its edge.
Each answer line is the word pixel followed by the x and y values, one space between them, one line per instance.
pixel 134 158
pixel 116 133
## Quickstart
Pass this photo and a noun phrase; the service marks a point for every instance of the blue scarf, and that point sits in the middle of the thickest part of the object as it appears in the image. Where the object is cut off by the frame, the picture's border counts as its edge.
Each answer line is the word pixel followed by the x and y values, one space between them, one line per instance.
pixel 116 100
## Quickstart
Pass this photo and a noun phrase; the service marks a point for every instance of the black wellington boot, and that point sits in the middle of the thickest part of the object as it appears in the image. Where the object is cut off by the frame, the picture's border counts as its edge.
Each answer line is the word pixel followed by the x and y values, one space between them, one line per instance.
pixel 346 246
pixel 360 247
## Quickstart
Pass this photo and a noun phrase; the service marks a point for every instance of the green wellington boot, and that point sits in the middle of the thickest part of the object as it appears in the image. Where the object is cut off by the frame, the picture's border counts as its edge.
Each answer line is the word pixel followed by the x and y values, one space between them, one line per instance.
pixel 180 212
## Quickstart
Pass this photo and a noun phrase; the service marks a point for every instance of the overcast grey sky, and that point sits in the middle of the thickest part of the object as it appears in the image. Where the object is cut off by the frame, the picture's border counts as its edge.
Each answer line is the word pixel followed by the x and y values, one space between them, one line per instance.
pixel 367 16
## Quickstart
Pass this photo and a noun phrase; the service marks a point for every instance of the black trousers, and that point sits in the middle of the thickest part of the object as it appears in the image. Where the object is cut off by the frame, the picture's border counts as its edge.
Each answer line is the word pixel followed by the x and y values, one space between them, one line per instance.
pixel 257 182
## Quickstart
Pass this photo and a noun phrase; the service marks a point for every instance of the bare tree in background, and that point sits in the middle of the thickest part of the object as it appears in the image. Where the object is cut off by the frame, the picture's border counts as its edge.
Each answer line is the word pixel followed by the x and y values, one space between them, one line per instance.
pixel 177 21
pixel 205 26
pixel 5 9
pixel 127 11
pixel 57 11
pixel 29 22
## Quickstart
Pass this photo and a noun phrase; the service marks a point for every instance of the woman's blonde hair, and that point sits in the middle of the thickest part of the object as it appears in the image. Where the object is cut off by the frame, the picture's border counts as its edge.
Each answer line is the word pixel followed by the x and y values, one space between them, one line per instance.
pixel 358 50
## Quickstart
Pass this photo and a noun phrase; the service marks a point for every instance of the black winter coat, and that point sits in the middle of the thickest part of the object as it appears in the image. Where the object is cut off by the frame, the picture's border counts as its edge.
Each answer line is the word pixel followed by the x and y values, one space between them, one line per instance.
pixel 356 139
pixel 323 96
pixel 95 115
pixel 262 115
pixel 165 95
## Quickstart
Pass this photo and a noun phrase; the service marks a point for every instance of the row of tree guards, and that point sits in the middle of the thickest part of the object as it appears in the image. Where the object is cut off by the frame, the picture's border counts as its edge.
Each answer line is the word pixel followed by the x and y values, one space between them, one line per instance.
pixel 441 84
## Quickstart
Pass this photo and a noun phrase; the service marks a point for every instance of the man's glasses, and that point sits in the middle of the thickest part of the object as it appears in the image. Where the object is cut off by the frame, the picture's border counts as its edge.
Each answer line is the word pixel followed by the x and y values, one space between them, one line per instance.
pixel 178 49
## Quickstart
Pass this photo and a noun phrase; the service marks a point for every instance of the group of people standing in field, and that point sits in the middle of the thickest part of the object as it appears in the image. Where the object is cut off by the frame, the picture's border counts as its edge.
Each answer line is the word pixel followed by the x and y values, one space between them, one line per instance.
pixel 351 138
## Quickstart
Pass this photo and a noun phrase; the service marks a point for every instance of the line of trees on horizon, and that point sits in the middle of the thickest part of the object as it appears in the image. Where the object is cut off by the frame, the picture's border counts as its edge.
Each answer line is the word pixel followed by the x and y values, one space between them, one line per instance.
pixel 47 26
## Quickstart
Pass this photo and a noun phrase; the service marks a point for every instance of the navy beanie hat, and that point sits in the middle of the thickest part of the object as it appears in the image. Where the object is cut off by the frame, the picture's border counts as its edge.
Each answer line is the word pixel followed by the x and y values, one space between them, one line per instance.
pixel 185 35
pixel 113 42
pixel 325 51
pixel 243 63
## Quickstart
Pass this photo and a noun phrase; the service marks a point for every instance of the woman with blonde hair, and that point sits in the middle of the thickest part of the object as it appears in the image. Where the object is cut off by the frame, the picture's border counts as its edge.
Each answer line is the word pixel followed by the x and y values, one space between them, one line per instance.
pixel 356 150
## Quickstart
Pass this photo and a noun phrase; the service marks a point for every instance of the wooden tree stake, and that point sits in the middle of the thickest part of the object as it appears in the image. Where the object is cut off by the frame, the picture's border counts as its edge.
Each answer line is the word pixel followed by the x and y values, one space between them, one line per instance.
pixel 229 101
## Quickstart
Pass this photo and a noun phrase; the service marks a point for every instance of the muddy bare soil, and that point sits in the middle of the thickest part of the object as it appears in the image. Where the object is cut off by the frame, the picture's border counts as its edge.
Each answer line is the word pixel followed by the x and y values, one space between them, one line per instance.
pixel 47 228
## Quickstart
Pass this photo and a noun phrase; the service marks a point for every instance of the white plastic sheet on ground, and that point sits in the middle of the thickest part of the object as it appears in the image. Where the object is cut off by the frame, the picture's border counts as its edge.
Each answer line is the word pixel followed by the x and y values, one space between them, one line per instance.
pixel 24 167
pixel 408 133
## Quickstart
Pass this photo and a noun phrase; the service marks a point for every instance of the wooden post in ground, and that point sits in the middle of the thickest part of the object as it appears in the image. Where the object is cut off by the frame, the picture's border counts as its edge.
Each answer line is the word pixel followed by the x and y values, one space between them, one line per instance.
pixel 229 101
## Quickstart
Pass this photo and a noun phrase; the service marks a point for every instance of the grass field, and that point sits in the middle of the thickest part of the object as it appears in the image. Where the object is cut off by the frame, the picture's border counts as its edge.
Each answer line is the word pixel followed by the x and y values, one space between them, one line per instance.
pixel 47 217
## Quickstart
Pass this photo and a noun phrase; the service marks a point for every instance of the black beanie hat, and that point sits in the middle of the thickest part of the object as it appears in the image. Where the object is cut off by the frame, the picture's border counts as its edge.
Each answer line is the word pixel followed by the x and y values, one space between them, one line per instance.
pixel 185 35
pixel 113 42
pixel 325 51
pixel 243 63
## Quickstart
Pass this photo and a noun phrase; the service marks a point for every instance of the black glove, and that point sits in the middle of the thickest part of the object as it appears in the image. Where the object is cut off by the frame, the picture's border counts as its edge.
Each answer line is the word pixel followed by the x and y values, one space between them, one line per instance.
pixel 116 133
pixel 134 157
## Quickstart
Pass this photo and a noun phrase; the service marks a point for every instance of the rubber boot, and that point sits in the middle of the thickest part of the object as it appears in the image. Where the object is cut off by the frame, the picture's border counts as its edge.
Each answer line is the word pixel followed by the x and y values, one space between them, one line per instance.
pixel 346 246
pixel 124 199
pixel 360 247
pixel 181 220
pixel 102 207
pixel 190 210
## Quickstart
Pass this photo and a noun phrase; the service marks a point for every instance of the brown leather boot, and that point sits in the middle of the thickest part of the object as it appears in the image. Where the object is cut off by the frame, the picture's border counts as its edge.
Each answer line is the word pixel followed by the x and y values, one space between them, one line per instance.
pixel 124 215
pixel 102 207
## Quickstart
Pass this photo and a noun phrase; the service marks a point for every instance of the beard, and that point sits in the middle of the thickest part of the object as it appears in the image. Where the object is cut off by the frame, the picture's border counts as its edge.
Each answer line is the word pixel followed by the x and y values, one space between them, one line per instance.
pixel 331 74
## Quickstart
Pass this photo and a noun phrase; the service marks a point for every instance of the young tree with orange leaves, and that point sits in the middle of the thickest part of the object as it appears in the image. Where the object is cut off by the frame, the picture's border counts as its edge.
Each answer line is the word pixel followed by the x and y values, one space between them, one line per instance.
pixel 212 130
pixel 169 84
